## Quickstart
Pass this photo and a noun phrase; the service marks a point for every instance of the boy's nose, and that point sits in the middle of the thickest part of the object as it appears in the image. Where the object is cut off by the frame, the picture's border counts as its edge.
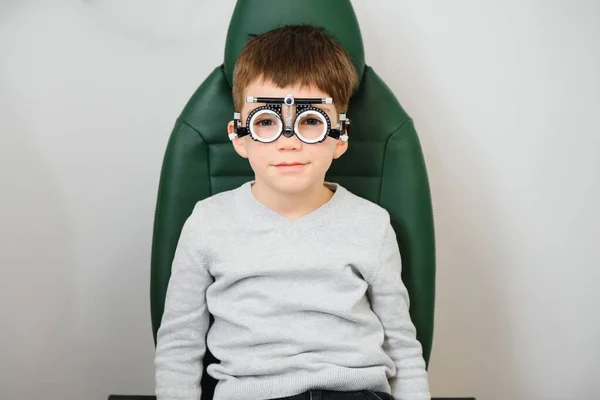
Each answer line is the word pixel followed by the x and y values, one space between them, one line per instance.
pixel 292 142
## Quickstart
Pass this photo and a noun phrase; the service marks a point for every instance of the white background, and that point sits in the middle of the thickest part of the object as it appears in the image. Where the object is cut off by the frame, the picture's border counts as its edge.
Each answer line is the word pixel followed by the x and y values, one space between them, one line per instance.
pixel 505 97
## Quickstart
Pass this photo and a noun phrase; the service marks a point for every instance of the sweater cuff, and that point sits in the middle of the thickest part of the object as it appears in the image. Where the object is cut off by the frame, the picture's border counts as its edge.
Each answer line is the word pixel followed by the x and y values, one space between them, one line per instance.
pixel 178 393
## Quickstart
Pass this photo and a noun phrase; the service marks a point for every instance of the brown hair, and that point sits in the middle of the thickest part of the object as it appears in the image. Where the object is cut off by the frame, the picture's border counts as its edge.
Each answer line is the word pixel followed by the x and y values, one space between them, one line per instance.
pixel 296 54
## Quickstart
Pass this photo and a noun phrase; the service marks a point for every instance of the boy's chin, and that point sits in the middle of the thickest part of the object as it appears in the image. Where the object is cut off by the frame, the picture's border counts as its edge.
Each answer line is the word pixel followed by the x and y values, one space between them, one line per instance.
pixel 290 185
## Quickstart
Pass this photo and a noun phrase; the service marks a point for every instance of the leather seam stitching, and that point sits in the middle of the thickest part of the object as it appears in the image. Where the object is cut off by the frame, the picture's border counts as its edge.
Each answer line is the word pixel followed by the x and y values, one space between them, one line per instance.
pixel 385 148
pixel 207 153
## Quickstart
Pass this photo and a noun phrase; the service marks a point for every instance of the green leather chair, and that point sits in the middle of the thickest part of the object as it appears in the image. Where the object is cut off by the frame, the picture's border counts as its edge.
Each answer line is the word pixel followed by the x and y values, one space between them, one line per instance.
pixel 384 162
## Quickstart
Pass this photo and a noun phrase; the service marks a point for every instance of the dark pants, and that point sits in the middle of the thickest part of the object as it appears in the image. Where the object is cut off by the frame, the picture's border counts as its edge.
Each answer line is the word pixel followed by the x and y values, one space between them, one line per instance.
pixel 331 395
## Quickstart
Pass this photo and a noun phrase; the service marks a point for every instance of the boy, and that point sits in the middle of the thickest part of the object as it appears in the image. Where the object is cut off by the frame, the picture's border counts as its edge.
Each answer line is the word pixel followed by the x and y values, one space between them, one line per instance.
pixel 302 277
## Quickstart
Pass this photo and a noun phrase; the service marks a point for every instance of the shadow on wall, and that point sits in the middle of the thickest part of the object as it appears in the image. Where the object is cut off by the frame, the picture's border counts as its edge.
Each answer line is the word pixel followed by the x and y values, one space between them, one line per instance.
pixel 37 343
pixel 474 350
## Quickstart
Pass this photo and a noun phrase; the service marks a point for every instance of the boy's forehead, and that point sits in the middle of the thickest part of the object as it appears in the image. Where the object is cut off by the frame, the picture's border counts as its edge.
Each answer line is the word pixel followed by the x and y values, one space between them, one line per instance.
pixel 259 88
pixel 267 88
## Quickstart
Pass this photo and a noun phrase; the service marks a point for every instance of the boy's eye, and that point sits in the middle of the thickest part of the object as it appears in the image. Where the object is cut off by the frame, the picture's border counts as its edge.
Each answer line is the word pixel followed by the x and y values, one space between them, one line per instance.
pixel 312 121
pixel 264 122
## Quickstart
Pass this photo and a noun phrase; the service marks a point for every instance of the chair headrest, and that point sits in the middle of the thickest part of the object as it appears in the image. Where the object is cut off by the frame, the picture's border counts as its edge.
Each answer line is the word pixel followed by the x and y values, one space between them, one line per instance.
pixel 253 17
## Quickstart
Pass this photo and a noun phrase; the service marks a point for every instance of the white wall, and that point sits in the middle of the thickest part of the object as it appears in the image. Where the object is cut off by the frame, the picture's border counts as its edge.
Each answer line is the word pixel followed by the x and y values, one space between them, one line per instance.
pixel 505 95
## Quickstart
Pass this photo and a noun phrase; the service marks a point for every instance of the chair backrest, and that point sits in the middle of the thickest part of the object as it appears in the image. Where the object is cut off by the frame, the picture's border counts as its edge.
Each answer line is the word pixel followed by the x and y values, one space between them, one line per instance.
pixel 384 162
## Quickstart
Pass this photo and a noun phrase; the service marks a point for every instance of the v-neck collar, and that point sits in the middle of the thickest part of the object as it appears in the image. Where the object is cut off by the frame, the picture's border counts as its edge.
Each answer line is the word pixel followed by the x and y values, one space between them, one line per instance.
pixel 247 201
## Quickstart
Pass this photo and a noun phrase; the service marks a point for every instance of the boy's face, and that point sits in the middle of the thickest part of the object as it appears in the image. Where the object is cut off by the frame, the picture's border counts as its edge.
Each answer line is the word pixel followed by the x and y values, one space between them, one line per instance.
pixel 288 165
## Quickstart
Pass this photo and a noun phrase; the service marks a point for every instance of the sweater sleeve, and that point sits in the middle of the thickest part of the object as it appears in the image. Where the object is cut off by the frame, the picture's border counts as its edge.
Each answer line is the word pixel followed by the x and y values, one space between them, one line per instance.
pixel 390 302
pixel 181 338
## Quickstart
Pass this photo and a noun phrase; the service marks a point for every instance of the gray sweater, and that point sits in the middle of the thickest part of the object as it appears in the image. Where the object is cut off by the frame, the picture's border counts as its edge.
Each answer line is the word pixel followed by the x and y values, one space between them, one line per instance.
pixel 312 303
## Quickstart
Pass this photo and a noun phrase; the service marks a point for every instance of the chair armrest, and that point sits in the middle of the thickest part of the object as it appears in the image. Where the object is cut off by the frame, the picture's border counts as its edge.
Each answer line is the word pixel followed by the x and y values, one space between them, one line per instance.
pixel 453 398
pixel 137 397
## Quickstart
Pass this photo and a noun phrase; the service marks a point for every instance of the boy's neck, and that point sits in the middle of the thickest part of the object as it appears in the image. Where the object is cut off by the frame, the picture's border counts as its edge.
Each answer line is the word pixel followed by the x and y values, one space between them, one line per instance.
pixel 292 205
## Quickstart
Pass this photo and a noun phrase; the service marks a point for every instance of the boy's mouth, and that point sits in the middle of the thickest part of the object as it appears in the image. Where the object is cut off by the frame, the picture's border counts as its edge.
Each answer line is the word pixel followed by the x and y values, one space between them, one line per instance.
pixel 290 166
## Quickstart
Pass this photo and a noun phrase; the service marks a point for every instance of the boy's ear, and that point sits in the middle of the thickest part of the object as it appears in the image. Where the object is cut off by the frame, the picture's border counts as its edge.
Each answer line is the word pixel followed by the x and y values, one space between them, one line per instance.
pixel 340 148
pixel 238 143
